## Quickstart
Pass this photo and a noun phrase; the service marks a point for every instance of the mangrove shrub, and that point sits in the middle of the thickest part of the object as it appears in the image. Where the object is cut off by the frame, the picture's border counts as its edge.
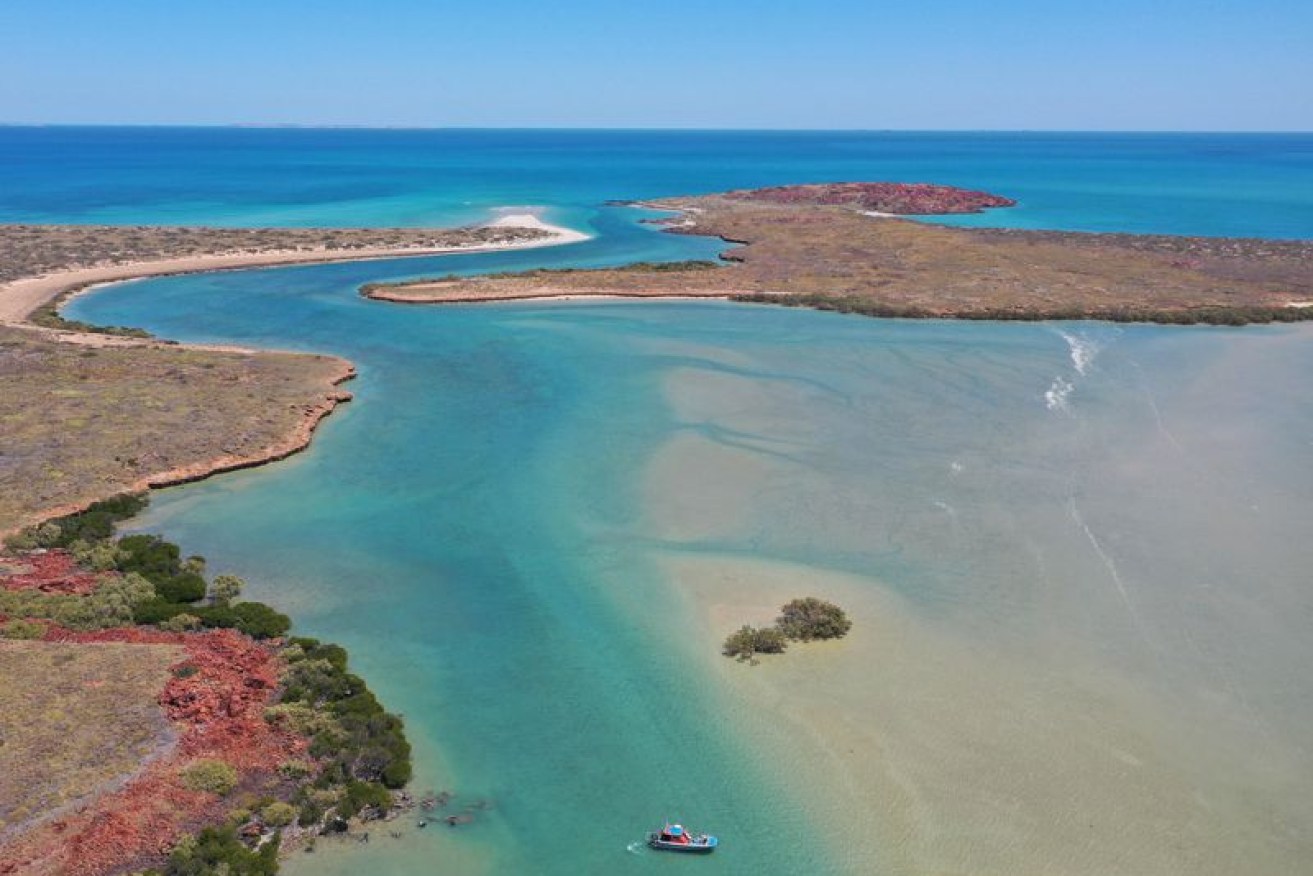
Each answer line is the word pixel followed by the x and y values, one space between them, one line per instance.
pixel 748 640
pixel 811 618
pixel 802 620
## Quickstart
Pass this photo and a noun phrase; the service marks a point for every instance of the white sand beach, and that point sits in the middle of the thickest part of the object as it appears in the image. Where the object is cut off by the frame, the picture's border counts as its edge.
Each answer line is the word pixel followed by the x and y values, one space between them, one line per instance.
pixel 19 298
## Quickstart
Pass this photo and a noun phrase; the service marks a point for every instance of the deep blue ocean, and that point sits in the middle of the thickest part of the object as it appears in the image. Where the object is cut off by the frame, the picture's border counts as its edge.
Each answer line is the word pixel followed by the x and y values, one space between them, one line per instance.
pixel 1214 184
pixel 1075 553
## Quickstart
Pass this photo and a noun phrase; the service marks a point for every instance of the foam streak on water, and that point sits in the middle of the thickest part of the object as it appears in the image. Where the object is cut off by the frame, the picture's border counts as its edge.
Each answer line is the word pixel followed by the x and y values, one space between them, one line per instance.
pixel 1083 349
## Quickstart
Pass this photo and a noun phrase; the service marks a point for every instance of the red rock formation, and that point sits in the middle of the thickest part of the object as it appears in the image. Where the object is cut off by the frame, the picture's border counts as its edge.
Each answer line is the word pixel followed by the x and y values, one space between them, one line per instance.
pixel 216 699
pixel 50 572
pixel 882 197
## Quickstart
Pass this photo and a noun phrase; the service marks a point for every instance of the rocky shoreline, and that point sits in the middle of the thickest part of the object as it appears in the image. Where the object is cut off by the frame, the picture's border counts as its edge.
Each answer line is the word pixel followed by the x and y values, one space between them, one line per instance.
pixel 900 199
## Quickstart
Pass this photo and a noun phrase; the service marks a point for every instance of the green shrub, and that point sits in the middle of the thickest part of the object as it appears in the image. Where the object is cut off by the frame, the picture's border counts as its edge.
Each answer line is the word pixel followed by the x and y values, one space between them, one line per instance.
pixel 811 618
pixel 218 850
pixel 45 535
pixel 363 795
pixel 238 817
pixel 112 604
pixel 99 556
pixel 212 776
pixel 21 629
pixel 181 623
pixel 278 814
pixel 255 619
pixel 151 556
pixel 89 526
pixel 224 589
pixel 214 616
pixel 260 621
pixel 313 649
pixel 157 611
pixel 747 640
pixel 350 730
pixel 182 587
pixel 295 769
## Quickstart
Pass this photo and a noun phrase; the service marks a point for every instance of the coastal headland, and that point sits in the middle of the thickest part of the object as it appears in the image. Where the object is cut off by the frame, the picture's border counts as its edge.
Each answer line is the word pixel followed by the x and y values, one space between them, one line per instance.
pixel 121 413
pixel 839 247
pixel 150 718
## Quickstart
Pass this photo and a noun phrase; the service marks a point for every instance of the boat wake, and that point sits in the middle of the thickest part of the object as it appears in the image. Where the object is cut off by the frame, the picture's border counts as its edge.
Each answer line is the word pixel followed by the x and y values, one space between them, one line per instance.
pixel 635 848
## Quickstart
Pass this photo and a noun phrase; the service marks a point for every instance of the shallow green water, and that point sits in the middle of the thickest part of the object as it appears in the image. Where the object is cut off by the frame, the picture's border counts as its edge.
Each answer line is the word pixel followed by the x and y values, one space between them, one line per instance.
pixel 485 529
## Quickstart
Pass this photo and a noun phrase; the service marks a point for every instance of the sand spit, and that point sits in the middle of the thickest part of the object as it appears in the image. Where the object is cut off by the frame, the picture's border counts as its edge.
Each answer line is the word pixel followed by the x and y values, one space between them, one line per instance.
pixel 467 292
pixel 556 234
pixel 20 297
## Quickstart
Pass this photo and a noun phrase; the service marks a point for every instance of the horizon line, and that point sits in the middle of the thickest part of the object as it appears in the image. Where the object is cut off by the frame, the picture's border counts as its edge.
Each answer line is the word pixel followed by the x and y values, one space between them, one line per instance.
pixel 293 126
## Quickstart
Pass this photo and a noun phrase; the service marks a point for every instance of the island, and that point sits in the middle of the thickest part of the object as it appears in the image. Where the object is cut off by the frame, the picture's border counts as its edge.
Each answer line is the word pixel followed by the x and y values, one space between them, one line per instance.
pixel 839 247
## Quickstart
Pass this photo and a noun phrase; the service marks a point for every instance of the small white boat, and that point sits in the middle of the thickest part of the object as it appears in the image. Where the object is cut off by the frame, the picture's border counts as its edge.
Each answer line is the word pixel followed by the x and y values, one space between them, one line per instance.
pixel 674 838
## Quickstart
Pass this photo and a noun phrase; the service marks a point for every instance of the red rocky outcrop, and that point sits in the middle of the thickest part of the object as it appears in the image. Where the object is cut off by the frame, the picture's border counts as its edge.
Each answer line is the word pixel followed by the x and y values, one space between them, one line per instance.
pixel 883 197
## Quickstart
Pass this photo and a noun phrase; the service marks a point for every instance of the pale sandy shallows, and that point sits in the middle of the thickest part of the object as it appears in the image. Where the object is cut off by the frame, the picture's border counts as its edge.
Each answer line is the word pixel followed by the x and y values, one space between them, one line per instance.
pixel 1028 723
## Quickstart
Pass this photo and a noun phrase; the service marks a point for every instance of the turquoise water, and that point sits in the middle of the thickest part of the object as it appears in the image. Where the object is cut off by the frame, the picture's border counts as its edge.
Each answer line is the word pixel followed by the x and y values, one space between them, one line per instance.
pixel 1215 184
pixel 1075 553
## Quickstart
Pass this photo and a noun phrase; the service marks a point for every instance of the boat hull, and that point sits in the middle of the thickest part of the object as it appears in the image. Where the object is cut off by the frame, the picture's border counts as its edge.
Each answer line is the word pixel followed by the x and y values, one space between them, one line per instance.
pixel 692 848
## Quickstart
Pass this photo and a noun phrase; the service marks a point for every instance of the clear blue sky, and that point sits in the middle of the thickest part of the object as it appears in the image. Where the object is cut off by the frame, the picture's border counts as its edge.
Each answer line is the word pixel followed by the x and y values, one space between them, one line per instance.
pixel 1007 64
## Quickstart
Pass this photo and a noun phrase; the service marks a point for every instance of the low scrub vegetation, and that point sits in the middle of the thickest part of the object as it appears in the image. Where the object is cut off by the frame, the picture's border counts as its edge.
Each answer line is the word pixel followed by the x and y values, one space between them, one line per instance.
pixel 113 603
pixel 48 316
pixel 636 267
pixel 21 629
pixel 211 776
pixel 1197 315
pixel 73 718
